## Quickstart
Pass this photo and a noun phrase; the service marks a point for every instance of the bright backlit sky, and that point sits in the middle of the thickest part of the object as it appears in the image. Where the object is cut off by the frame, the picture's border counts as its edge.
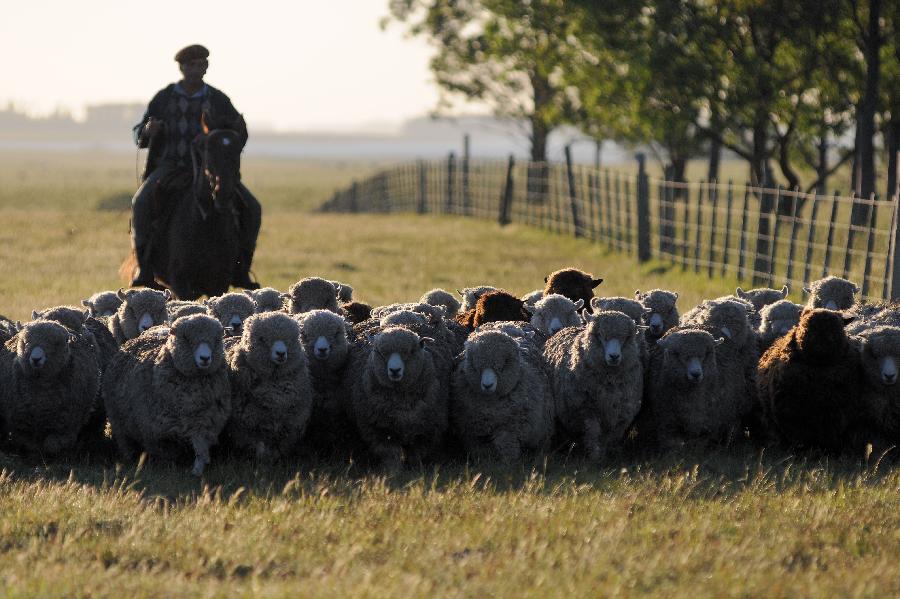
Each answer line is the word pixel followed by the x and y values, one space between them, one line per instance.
pixel 307 64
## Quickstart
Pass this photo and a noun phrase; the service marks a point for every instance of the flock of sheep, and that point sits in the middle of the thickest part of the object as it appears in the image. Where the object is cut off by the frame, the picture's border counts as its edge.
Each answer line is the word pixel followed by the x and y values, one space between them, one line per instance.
pixel 493 376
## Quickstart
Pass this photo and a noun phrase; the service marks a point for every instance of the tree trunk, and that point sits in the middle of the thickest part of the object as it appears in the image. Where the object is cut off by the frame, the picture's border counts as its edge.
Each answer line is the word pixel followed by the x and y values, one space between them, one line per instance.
pixel 822 166
pixel 893 149
pixel 715 158
pixel 865 117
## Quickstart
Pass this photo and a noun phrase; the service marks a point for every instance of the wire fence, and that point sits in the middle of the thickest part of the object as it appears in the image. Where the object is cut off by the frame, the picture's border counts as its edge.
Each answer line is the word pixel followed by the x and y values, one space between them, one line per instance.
pixel 764 236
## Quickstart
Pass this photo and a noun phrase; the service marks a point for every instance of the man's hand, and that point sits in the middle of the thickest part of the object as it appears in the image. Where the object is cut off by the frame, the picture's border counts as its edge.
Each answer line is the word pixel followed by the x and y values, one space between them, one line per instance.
pixel 151 128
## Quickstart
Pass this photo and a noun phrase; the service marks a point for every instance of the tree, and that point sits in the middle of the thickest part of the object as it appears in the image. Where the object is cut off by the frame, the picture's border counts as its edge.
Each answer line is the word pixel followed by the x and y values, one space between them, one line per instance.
pixel 505 53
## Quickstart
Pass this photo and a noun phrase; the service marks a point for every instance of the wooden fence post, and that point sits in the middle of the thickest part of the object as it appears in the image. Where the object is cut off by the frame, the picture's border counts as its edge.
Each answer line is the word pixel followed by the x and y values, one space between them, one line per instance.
pixel 811 237
pixel 643 210
pixel 793 243
pixel 451 172
pixel 870 245
pixel 857 217
pixel 466 200
pixel 766 206
pixel 698 236
pixel 423 195
pixel 742 259
pixel 729 199
pixel 573 192
pixel 506 199
pixel 830 242
pixel 713 194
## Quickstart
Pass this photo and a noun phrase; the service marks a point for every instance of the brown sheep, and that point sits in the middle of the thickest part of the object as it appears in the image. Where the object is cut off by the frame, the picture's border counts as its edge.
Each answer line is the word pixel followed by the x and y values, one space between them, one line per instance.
pixel 356 312
pixel 495 306
pixel 574 284
pixel 810 384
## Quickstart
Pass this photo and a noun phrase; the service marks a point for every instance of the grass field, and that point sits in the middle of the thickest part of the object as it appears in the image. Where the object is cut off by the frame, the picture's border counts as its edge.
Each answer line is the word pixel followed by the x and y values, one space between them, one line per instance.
pixel 732 522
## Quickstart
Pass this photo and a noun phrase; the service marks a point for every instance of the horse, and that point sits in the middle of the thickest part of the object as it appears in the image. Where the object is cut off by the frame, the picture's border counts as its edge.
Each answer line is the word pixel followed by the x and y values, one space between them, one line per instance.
pixel 196 254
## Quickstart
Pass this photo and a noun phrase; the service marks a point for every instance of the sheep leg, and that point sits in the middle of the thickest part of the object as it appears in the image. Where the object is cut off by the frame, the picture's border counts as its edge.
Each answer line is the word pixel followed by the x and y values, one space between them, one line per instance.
pixel 591 440
pixel 390 456
pixel 507 447
pixel 201 451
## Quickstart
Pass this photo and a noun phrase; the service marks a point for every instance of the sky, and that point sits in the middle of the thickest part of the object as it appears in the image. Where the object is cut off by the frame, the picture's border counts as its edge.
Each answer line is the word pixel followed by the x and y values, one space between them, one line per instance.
pixel 288 65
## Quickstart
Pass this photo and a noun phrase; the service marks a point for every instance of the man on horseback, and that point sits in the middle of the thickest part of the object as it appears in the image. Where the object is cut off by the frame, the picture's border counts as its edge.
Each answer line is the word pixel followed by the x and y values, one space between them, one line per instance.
pixel 169 127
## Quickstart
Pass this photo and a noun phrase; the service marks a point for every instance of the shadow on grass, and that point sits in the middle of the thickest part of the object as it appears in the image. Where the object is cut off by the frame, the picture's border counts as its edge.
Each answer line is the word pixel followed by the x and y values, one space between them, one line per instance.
pixel 696 474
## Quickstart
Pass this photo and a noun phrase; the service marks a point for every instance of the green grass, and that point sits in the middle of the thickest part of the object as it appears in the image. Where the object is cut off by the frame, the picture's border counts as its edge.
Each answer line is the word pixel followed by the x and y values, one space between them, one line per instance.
pixel 730 522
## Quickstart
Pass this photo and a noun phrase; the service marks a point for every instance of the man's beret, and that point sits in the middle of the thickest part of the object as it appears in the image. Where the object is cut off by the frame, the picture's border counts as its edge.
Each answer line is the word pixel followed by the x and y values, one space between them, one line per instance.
pixel 190 53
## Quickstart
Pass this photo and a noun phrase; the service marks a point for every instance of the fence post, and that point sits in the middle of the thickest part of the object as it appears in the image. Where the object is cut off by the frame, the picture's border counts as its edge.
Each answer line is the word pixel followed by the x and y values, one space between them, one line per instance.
pixel 573 193
pixel 423 195
pixel 466 200
pixel 451 172
pixel 729 199
pixel 870 245
pixel 506 199
pixel 713 194
pixel 643 210
pixel 830 242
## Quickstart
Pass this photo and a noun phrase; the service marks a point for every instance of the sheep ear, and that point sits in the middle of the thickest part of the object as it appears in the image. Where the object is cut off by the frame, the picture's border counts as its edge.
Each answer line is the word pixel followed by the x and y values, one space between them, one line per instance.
pixel 229 330
pixel 546 279
pixel 249 293
pixel 720 341
pixel 595 282
pixel 86 303
pixel 637 294
pixel 848 318
pixel 785 291
pixel 460 293
pixel 285 296
pixel 855 289
pixel 87 314
pixel 806 290
pixel 586 316
pixel 72 339
pixel 530 334
pixel 121 294
pixel 741 293
pixel 648 310
pixel 675 293
pixel 167 294
pixel 579 304
pixel 425 340
pixel 35 315
pixel 528 309
pixel 595 303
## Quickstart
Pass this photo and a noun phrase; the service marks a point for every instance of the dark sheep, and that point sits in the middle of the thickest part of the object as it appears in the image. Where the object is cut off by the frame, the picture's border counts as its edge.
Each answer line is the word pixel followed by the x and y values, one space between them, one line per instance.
pixel 810 384
pixel 574 284
pixel 495 306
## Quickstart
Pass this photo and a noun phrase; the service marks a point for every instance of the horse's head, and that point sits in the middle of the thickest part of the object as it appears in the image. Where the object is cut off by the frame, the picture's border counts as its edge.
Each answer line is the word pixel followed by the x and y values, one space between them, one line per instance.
pixel 220 154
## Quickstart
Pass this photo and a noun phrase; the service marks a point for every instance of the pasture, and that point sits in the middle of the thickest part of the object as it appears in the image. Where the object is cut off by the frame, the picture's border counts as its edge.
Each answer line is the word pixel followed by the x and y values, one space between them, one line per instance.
pixel 731 522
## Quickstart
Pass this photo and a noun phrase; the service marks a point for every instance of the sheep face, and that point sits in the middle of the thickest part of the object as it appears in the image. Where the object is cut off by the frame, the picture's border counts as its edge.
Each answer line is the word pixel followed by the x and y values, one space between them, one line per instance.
pixel 43 349
pixel 779 318
pixel 470 296
pixel 762 297
pixel 324 336
pixel 611 335
pixel 343 292
pixel 831 293
pixel 554 313
pixel 312 293
pixel 231 310
pixel 689 356
pixel 492 363
pixel 821 334
pixel 442 299
pixel 397 357
pixel 271 342
pixel 142 309
pixel 497 306
pixel 574 284
pixel 104 304
pixel 880 350
pixel 195 344
pixel 729 319
pixel 660 311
